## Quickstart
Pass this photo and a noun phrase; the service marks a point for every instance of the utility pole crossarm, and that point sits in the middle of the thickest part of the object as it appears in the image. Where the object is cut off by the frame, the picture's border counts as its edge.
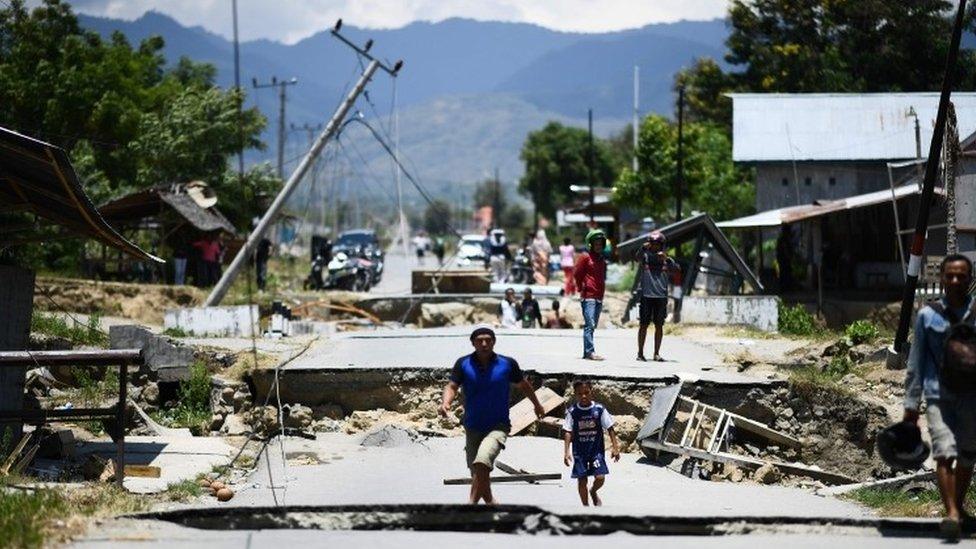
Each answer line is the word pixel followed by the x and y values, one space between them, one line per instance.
pixel 220 290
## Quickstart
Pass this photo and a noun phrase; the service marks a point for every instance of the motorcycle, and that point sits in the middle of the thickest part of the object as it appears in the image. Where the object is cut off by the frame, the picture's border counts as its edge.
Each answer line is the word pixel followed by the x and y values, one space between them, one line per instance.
pixel 315 280
pixel 350 273
pixel 521 271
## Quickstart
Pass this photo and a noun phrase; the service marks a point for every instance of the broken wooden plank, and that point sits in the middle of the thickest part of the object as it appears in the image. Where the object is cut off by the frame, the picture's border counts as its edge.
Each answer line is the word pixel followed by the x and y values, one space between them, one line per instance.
pixel 523 413
pixel 14 454
pixel 758 429
pixel 553 421
pixel 508 478
pixel 749 462
pixel 143 471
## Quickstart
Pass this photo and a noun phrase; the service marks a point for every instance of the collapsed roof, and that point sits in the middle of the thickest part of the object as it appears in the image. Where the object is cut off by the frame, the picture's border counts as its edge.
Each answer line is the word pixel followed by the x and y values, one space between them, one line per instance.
pixel 151 202
pixel 38 177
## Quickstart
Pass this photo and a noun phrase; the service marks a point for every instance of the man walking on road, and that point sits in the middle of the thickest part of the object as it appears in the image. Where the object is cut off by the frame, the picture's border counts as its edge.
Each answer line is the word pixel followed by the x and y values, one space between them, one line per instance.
pixel 941 368
pixel 655 273
pixel 486 378
pixel 591 274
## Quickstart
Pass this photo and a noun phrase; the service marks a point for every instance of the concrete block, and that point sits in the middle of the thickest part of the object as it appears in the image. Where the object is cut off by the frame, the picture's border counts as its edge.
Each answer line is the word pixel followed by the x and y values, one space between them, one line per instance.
pixel 168 359
pixel 760 312
pixel 308 327
pixel 233 321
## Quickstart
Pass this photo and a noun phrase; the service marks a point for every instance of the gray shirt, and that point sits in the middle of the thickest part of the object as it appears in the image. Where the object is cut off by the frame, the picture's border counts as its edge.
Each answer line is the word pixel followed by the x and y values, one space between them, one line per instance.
pixel 655 273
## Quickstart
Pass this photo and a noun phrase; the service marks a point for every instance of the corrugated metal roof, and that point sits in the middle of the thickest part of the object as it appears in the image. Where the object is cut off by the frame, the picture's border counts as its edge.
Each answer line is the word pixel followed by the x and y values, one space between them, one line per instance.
pixel 38 177
pixel 825 126
pixel 792 214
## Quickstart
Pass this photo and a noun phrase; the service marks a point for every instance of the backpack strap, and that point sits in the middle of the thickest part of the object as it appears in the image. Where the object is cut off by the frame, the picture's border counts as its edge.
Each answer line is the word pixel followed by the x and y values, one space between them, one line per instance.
pixel 943 311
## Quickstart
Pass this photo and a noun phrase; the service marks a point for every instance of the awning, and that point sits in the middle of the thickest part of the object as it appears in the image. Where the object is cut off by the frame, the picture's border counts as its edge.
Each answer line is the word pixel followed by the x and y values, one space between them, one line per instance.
pixel 792 214
pixel 38 177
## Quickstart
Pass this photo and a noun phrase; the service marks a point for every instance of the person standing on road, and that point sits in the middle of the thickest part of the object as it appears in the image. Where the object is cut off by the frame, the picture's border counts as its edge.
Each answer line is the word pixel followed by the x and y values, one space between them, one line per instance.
pixel 509 310
pixel 541 250
pixel 591 275
pixel 656 269
pixel 567 260
pixel 261 262
pixel 486 378
pixel 531 312
pixel 940 369
pixel 498 255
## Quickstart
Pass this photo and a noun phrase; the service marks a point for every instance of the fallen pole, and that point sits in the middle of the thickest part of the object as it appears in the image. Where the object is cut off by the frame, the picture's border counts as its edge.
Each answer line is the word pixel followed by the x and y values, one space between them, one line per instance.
pixel 532 478
pixel 244 254
pixel 928 189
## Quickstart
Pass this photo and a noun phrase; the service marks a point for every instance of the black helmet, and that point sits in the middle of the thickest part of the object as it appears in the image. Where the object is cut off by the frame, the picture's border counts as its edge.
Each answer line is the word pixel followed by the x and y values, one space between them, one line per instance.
pixel 901 446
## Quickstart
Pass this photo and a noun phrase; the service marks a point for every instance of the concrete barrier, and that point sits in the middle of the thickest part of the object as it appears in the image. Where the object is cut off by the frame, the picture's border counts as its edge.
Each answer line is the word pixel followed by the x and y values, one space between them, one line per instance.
pixel 758 311
pixel 234 321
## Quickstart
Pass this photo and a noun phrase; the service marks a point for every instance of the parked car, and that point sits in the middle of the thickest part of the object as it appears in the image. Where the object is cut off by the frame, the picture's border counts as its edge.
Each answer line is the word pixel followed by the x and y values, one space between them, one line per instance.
pixel 473 250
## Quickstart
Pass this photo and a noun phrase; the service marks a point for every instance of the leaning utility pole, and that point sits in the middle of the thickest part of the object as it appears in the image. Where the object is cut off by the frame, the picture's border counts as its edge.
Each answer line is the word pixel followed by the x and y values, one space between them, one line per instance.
pixel 635 165
pixel 282 99
pixel 589 165
pixel 220 290
pixel 680 183
pixel 928 189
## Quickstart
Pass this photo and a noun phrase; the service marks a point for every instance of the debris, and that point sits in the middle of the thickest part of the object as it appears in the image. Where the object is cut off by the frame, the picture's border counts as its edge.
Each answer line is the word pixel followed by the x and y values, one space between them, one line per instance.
pixel 509 478
pixel 98 468
pixel 296 416
pixel 168 359
pixel 234 425
pixel 9 462
pixel 767 474
pixel 434 315
pixel 523 413
pixel 56 445
pixel 156 427
pixel 390 436
pixel 143 471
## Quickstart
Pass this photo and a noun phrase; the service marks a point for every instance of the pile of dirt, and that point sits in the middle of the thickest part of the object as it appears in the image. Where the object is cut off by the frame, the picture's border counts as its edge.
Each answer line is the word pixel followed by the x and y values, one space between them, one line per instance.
pixel 146 303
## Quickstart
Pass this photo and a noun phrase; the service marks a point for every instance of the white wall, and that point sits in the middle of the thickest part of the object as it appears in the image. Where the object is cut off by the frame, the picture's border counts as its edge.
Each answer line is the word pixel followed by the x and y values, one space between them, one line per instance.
pixel 758 311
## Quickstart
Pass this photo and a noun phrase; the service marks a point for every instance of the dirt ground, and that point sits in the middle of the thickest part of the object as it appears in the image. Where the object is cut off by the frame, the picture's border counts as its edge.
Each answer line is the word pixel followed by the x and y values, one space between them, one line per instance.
pixel 146 303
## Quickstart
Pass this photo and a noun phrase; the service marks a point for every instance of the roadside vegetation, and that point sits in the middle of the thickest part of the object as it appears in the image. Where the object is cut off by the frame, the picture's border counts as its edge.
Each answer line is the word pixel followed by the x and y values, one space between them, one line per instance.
pixel 914 503
pixel 193 408
pixel 45 517
pixel 55 325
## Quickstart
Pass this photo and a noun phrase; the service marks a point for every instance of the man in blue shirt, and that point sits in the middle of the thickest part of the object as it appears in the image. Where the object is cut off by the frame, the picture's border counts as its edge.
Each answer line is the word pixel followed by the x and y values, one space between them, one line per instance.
pixel 951 417
pixel 486 378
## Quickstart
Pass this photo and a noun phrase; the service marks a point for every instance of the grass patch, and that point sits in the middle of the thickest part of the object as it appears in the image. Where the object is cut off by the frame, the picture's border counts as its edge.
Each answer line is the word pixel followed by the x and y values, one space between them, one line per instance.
pixel 748 332
pixel 193 410
pixel 808 379
pixel 896 503
pixel 75 332
pixel 244 364
pixel 626 283
pixel 183 491
pixel 176 331
pixel 41 518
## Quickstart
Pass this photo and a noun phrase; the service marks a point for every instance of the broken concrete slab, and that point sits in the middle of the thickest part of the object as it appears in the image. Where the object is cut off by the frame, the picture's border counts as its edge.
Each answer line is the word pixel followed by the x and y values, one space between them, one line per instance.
pixel 168 359
pixel 231 321
pixel 178 458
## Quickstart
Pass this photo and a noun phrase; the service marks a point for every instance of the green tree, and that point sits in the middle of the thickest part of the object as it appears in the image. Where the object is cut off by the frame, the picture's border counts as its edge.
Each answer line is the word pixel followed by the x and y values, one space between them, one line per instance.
pixel 712 183
pixel 705 87
pixel 437 217
pixel 555 158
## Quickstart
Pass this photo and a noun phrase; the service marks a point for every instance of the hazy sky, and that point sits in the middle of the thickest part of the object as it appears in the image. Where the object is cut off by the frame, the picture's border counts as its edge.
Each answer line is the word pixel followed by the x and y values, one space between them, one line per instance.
pixel 291 20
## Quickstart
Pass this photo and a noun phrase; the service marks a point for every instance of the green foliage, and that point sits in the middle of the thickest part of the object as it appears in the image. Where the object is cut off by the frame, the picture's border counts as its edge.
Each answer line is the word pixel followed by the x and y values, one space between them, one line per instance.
pixel 183 491
pixel 193 408
pixel 705 87
pixel 78 334
pixel 796 320
pixel 897 503
pixel 862 331
pixel 437 217
pixel 175 331
pixel 839 366
pixel 26 515
pixel 712 183
pixel 626 282
pixel 555 158
pixel 126 121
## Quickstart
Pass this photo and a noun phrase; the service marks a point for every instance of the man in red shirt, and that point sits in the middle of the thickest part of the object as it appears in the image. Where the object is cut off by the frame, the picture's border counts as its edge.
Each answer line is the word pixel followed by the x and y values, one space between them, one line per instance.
pixel 590 276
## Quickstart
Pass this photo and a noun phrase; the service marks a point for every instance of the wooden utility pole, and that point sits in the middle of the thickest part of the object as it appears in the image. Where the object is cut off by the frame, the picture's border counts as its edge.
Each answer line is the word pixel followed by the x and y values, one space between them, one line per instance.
pixel 680 183
pixel 589 165
pixel 17 303
pixel 282 99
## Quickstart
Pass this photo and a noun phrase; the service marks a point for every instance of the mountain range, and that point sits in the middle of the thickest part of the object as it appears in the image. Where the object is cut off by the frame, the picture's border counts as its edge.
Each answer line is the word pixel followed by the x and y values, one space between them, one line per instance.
pixel 468 93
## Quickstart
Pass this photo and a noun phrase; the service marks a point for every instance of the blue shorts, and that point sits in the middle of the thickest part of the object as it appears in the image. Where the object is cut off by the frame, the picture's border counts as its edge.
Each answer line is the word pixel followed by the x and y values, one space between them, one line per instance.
pixel 590 466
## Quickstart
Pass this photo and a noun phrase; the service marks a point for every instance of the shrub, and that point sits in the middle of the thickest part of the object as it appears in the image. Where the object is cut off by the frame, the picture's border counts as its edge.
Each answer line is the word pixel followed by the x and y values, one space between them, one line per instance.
pixel 76 333
pixel 796 320
pixel 193 410
pixel 862 331
pixel 839 366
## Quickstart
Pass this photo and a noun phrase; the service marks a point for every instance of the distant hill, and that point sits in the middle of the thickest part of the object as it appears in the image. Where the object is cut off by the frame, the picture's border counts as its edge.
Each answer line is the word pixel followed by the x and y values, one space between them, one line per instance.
pixel 469 90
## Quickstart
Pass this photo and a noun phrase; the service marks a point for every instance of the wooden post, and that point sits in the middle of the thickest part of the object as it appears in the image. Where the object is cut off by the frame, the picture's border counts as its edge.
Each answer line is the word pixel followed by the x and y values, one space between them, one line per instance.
pixel 17 304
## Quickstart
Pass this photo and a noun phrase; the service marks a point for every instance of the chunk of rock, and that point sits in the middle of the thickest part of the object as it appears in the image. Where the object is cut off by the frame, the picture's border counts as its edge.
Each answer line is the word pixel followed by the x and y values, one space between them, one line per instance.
pixel 445 314
pixel 262 419
pixel 627 428
pixel 150 394
pixel 390 436
pixel 297 416
pixel 234 425
pixel 767 474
